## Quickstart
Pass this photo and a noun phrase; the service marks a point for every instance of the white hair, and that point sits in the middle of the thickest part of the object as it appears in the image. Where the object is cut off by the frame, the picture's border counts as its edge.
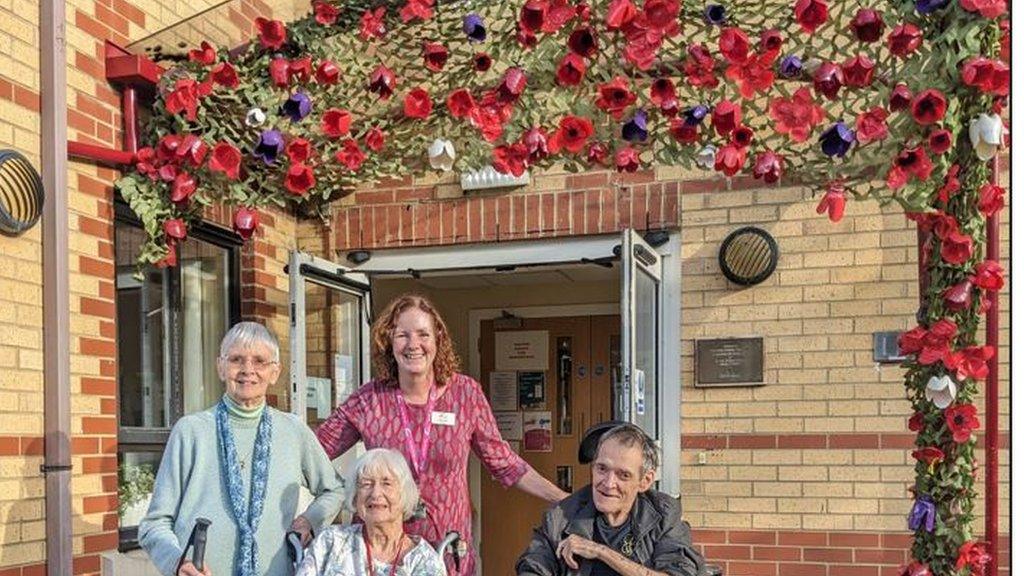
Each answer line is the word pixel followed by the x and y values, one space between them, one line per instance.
pixel 389 462
pixel 248 334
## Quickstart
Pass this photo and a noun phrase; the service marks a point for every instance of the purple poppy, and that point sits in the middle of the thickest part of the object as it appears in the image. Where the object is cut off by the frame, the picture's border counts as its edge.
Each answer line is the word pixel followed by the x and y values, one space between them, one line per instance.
pixel 836 141
pixel 929 6
pixel 636 129
pixel 694 115
pixel 922 515
pixel 714 14
pixel 269 146
pixel 297 106
pixel 473 26
pixel 790 66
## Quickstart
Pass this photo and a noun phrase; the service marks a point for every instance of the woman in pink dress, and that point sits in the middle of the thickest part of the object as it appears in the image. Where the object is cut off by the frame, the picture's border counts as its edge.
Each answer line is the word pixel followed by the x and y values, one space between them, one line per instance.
pixel 421 406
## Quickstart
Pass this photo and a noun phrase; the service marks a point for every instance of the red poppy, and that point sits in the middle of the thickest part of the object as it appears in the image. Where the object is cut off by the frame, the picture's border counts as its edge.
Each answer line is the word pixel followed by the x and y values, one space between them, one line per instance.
pixel 175 229
pixel 417 9
pixel 770 43
pixel 661 17
pixel 374 139
pixel 371 24
pixel 620 14
pixel 327 73
pixel 613 97
pixel 828 79
pixel 962 420
pixel 796 116
pixel 729 159
pixel 532 15
pixel 299 179
pixel 183 188
pixel 326 13
pixel 299 150
pixel 170 260
pixel 572 134
pixel 971 362
pixel 742 136
pixel 513 83
pixel 950 184
pixel 167 148
pixel 641 50
pixel 957 248
pixel 536 142
pixel 768 165
pixel 460 103
pixel 627 159
pixel 526 39
pixel 935 342
pixel 726 117
pixel 227 159
pixel 734 45
pixel 597 154
pixel 991 199
pixel 662 90
pixel 928 107
pixel 973 555
pixel 684 132
pixel 986 8
pixel 435 56
pixel 988 275
pixel 489 121
pixel 858 71
pixel 301 69
pixel 872 125
pixel 700 67
pixel 184 98
pixel 989 76
pixel 191 149
pixel 916 422
pixel 754 75
pixel 510 159
pixel 558 14
pixel 570 70
pixel 224 74
pixel 350 155
pixel 273 34
pixel 810 14
pixel 382 82
pixel 583 41
pixel 904 40
pixel 834 201
pixel 335 122
pixel 482 62
pixel 958 296
pixel 867 25
pixel 939 141
pixel 278 70
pixel 899 98
pixel 246 221
pixel 418 104
pixel 930 455
pixel 205 55
pixel 909 162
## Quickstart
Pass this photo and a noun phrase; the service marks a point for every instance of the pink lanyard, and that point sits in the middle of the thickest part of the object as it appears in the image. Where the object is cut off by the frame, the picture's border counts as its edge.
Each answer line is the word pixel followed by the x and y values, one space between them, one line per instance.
pixel 418 455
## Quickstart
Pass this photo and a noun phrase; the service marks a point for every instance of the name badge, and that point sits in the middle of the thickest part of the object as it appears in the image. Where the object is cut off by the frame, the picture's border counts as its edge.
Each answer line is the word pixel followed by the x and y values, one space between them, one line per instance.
pixel 442 418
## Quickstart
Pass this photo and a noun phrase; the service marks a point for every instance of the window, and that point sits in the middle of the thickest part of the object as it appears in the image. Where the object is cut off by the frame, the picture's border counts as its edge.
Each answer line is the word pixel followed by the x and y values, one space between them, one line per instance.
pixel 169 326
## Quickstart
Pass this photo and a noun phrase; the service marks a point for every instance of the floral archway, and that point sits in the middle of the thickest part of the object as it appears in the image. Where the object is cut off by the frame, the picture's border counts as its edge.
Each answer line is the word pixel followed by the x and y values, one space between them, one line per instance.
pixel 899 101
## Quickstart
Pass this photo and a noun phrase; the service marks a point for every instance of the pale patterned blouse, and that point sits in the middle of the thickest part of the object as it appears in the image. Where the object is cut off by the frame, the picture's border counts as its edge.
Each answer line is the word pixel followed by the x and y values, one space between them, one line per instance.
pixel 371 414
pixel 341 551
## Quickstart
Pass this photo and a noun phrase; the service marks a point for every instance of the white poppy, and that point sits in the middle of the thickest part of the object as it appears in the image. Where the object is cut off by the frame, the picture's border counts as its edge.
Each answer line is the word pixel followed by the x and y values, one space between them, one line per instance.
pixel 940 391
pixel 706 157
pixel 255 117
pixel 441 154
pixel 986 132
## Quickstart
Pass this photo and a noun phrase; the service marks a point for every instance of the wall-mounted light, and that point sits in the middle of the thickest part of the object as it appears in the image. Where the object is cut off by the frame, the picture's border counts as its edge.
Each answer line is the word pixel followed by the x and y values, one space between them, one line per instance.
pixel 490 178
pixel 21 193
pixel 358 257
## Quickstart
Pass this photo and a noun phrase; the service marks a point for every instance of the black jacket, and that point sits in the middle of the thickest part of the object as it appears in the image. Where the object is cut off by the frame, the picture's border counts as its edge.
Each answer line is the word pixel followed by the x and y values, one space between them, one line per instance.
pixel 662 541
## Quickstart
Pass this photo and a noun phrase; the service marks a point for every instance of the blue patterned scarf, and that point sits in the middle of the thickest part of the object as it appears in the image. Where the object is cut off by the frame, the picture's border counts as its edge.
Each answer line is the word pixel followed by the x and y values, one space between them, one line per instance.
pixel 246 556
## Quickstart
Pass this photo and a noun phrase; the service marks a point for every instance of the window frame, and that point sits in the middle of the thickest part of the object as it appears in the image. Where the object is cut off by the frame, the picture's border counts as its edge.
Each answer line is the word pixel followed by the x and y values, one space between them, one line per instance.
pixel 142 439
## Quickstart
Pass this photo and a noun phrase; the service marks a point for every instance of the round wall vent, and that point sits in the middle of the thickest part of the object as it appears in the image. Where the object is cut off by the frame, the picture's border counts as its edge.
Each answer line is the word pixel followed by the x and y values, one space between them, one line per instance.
pixel 21 193
pixel 748 256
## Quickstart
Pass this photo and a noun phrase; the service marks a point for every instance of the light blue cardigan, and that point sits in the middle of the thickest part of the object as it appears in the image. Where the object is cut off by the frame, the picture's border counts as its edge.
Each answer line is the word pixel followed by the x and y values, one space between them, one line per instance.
pixel 190 484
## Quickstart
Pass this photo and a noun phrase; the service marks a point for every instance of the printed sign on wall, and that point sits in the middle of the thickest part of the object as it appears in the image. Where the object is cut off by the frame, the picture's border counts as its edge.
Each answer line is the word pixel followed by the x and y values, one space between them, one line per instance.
pixel 537 431
pixel 521 350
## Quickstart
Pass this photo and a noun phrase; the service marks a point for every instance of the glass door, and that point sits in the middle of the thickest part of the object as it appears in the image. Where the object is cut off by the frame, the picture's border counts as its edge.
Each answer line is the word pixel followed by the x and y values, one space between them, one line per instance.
pixel 637 390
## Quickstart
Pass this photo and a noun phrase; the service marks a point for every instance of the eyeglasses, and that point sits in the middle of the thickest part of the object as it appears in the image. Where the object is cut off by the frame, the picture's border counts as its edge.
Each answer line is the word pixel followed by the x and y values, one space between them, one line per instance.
pixel 239 362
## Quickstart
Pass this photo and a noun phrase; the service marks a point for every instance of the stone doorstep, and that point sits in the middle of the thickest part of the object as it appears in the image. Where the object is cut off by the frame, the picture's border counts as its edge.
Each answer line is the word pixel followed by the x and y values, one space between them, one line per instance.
pixel 131 563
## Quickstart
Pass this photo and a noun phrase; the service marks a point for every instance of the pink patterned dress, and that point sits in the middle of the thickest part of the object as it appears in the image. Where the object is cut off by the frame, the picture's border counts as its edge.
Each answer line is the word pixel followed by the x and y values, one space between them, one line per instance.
pixel 371 414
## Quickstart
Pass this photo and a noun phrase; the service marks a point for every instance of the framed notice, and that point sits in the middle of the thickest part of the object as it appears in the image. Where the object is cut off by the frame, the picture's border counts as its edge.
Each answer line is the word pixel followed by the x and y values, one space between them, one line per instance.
pixel 531 390
pixel 521 350
pixel 510 425
pixel 537 432
pixel 504 391
pixel 730 362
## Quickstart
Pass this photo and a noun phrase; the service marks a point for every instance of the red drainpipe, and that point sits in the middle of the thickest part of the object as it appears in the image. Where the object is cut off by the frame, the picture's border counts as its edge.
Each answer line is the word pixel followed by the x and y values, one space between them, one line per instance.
pixel 992 395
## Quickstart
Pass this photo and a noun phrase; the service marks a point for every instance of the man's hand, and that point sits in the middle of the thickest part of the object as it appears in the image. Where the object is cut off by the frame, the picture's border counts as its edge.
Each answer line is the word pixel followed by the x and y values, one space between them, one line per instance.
pixel 189 569
pixel 304 528
pixel 576 545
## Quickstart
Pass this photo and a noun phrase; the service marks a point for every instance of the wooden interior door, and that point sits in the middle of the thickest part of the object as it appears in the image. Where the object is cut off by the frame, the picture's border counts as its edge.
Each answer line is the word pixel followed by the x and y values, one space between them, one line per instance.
pixel 508 518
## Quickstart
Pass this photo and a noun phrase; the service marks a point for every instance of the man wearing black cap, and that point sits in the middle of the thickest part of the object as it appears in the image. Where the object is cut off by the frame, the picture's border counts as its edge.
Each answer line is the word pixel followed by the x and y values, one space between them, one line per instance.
pixel 617 524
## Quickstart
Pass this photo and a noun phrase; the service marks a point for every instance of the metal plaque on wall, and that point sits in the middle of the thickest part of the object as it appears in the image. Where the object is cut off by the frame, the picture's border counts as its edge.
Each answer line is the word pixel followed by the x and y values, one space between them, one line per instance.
pixel 730 362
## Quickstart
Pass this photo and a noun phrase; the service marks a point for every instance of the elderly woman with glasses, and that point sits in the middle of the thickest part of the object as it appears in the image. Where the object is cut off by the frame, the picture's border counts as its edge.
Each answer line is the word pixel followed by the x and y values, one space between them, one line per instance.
pixel 242 465
pixel 383 495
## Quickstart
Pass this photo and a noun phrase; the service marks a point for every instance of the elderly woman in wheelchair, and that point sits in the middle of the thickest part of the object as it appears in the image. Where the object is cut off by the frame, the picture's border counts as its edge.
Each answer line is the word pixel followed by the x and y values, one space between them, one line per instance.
pixel 382 493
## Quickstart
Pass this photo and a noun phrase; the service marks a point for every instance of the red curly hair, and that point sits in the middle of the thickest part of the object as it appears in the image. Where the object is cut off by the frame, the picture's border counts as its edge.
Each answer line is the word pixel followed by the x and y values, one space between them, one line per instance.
pixel 446 361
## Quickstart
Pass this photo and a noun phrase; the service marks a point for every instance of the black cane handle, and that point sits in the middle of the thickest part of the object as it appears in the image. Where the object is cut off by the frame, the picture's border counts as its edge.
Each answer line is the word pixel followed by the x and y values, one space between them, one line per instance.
pixel 199 544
